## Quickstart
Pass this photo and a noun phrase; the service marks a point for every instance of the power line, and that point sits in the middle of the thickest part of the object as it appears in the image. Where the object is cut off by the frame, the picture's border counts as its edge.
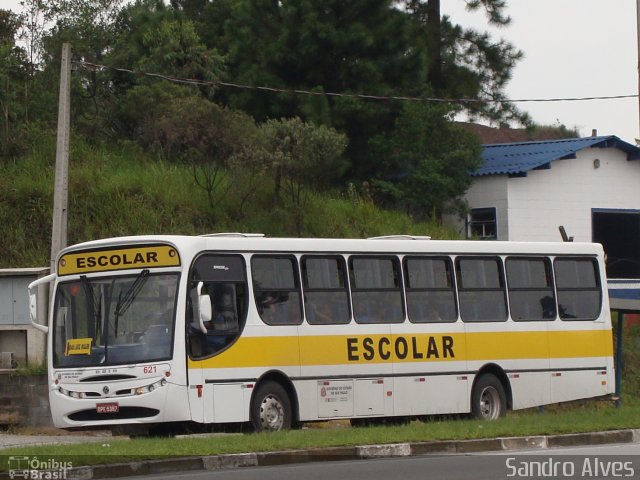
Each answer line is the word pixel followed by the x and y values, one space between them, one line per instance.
pixel 192 81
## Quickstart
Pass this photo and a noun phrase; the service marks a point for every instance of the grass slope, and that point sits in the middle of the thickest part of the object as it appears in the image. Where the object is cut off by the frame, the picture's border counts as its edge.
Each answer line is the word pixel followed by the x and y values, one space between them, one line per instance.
pixel 122 191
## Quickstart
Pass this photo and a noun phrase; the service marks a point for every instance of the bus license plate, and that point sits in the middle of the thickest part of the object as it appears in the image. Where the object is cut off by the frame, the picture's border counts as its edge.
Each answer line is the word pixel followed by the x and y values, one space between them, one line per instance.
pixel 107 408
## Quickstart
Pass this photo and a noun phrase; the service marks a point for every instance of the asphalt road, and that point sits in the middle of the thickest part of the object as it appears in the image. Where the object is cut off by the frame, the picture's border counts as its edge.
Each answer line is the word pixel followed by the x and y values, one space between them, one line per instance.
pixel 593 462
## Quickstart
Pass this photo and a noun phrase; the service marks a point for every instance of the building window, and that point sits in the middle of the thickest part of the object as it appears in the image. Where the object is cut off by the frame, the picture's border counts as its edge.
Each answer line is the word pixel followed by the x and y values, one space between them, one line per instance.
pixel 482 224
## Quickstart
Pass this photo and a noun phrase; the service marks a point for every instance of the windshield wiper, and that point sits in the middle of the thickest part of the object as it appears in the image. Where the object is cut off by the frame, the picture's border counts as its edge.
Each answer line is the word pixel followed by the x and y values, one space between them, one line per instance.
pixel 125 301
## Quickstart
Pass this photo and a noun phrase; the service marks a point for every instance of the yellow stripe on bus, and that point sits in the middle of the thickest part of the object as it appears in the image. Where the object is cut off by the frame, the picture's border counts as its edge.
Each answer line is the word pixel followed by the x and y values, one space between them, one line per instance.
pixel 363 349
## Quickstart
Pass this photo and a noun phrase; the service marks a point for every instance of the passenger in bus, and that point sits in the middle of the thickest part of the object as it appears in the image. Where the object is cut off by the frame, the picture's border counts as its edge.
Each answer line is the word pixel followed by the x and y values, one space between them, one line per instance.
pixel 220 322
pixel 226 318
pixel 320 313
pixel 216 337
pixel 280 309
pixel 391 311
pixel 548 305
pixel 362 314
pixel 223 323
pixel 267 309
pixel 433 315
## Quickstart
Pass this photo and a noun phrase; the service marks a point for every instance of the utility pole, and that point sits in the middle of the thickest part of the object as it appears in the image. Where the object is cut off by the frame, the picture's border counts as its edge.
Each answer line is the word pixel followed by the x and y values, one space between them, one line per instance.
pixel 61 187
pixel 638 40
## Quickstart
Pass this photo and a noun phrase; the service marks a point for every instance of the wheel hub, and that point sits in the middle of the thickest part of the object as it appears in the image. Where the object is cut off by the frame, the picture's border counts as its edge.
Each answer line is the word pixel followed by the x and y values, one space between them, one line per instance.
pixel 271 413
pixel 490 403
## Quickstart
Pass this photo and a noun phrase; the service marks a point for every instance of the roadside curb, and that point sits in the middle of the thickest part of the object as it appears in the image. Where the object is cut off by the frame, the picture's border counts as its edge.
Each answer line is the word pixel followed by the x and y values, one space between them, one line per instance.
pixel 229 461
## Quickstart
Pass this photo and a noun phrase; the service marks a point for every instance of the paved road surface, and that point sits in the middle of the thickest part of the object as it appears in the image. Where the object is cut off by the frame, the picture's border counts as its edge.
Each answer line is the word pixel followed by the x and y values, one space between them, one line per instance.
pixel 479 466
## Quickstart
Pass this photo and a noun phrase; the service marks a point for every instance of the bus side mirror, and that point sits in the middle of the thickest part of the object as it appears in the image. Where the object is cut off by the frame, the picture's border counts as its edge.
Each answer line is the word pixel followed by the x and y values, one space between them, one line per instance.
pixel 205 311
pixel 32 290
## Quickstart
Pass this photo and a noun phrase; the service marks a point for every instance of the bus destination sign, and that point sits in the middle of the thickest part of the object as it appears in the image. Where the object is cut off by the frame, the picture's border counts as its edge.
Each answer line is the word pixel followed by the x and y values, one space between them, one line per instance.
pixel 155 256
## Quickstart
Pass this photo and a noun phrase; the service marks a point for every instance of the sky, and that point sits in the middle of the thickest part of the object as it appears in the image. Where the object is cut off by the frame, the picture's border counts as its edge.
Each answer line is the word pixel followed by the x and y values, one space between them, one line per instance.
pixel 572 48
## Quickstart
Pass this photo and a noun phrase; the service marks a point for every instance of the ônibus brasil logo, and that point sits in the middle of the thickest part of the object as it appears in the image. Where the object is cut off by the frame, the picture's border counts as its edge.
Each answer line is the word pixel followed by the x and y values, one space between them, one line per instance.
pixel 35 468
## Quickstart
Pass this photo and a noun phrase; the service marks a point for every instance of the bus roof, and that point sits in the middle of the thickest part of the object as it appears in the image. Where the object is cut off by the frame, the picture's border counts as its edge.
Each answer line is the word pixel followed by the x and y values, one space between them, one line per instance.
pixel 388 244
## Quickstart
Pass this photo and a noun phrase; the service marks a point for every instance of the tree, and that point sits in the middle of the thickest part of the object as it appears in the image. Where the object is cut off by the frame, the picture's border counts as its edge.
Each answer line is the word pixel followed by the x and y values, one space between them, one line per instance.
pixel 14 69
pixel 35 19
pixel 464 63
pixel 89 26
pixel 429 161
pixel 158 40
pixel 218 144
pixel 369 47
pixel 303 157
pixel 320 46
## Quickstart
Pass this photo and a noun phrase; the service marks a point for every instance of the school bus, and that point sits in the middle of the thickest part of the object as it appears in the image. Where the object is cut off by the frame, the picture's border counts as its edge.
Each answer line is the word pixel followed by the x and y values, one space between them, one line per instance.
pixel 230 328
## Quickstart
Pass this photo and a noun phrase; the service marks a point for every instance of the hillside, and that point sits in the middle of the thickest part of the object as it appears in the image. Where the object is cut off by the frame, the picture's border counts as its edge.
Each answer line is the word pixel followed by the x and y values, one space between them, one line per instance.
pixel 123 191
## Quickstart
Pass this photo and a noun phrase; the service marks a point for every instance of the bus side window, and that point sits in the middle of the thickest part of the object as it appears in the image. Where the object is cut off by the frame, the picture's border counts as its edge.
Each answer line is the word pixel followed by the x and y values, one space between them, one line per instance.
pixel 276 289
pixel 481 289
pixel 579 288
pixel 376 289
pixel 430 289
pixel 530 286
pixel 325 289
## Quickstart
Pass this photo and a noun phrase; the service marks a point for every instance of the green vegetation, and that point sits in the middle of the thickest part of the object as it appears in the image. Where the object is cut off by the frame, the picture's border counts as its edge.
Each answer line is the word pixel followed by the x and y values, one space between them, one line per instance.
pixel 123 191
pixel 40 369
pixel 630 359
pixel 172 131
pixel 585 418
pixel 149 156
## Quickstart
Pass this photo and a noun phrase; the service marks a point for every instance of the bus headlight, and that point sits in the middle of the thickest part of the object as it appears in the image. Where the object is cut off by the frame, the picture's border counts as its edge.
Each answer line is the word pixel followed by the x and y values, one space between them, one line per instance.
pixel 72 394
pixel 149 388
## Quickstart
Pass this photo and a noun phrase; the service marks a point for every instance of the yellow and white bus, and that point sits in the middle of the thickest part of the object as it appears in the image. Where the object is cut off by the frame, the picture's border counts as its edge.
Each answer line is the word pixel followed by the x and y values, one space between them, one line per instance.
pixel 275 331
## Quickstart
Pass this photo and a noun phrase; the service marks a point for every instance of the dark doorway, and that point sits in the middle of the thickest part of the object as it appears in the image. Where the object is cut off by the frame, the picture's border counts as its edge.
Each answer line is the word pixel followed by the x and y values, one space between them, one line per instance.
pixel 619 234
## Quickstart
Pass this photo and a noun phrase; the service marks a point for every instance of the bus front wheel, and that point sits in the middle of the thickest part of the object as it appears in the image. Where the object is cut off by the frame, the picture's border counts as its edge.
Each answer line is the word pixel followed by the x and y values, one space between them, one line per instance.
pixel 488 400
pixel 271 408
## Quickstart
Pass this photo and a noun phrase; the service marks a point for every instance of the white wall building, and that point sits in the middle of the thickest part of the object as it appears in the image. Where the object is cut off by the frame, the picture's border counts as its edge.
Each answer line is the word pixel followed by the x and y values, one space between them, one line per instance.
pixel 525 191
pixel 590 186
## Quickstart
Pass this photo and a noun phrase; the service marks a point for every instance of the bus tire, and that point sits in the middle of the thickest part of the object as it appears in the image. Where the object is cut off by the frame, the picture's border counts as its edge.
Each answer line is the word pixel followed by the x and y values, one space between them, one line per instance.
pixel 271 408
pixel 488 399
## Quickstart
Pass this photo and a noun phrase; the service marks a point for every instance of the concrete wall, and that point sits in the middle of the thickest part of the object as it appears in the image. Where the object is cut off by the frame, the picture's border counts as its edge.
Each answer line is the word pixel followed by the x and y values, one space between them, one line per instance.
pixel 17 335
pixel 24 400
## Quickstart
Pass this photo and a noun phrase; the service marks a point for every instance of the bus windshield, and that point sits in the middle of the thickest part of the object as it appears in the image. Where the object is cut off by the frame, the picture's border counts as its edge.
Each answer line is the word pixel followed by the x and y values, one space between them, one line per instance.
pixel 114 320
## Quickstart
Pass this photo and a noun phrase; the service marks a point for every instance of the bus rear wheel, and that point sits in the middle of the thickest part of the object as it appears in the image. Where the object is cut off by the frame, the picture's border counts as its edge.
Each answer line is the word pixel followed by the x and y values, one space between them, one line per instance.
pixel 488 400
pixel 271 408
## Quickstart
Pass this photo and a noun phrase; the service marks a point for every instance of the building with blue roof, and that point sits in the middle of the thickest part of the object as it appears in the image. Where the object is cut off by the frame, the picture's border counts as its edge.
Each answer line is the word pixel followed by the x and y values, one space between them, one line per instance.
pixel 520 158
pixel 526 191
